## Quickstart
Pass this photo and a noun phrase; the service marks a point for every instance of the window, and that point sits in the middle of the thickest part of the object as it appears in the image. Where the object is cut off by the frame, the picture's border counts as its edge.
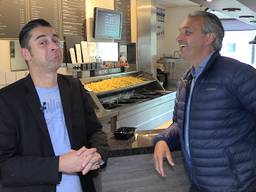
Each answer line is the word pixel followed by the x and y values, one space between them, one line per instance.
pixel 236 45
pixel 236 41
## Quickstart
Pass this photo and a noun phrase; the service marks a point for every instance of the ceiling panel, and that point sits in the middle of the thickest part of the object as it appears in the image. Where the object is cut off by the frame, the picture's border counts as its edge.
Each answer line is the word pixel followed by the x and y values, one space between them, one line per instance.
pixel 175 3
pixel 246 8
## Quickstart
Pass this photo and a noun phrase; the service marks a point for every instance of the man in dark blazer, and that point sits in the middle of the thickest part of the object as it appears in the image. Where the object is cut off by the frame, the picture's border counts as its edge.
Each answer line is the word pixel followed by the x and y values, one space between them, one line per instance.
pixel 48 142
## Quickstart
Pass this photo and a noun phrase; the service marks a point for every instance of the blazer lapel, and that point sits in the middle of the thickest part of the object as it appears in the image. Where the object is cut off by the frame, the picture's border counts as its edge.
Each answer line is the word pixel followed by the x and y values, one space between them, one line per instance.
pixel 33 102
pixel 66 95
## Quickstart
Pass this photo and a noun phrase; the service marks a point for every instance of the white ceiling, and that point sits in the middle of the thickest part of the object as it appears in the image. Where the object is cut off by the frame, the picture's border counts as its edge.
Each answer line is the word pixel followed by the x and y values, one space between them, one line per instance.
pixel 247 7
pixel 175 3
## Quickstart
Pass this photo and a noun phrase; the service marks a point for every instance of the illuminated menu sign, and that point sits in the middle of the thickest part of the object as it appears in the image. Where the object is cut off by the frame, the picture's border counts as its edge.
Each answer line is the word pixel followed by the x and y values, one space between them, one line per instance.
pixel 124 6
pixel 12 17
pixel 73 17
pixel 45 9
pixel 66 16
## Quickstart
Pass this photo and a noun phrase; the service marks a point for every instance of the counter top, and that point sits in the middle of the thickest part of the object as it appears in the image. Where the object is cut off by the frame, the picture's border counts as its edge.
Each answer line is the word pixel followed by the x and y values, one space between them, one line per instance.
pixel 141 143
pixel 131 168
pixel 136 173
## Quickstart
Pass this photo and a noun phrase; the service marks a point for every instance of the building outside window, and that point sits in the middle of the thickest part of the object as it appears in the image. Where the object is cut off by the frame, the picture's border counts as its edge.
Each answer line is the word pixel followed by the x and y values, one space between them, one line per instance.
pixel 236 45
pixel 236 40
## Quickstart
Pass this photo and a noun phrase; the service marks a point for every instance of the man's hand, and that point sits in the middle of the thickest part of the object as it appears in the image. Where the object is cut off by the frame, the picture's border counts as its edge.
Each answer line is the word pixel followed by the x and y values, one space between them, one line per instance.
pixel 82 160
pixel 91 162
pixel 162 151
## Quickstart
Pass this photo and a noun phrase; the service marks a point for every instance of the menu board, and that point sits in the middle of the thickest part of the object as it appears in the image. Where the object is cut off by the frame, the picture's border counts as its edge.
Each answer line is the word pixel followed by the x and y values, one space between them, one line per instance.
pixel 46 9
pixel 12 17
pixel 124 6
pixel 66 16
pixel 73 17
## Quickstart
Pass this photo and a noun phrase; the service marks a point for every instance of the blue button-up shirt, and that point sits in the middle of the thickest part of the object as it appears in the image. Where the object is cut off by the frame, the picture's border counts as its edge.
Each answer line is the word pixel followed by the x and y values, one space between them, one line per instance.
pixel 196 72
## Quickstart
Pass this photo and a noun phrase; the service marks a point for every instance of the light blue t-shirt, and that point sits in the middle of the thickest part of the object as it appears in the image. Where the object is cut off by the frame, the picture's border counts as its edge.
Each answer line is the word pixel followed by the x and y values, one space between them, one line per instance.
pixel 54 116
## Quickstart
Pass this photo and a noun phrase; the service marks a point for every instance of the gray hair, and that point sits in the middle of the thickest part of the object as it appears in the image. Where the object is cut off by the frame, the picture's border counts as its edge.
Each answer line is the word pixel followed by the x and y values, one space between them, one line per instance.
pixel 212 24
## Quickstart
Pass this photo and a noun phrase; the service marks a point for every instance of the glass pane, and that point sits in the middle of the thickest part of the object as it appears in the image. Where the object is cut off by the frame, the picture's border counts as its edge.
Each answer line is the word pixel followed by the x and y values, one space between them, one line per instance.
pixel 236 45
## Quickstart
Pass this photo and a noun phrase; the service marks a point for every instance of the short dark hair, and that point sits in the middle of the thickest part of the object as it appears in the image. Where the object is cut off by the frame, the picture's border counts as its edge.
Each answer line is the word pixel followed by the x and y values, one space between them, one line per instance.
pixel 24 35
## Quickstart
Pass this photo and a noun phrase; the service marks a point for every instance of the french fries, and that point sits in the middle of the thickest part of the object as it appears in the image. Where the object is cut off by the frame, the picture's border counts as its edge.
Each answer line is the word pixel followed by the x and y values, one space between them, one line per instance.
pixel 114 83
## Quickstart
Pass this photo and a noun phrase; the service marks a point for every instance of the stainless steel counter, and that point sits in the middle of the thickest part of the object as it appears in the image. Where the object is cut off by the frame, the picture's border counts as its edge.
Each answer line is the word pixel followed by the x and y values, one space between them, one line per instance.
pixel 143 113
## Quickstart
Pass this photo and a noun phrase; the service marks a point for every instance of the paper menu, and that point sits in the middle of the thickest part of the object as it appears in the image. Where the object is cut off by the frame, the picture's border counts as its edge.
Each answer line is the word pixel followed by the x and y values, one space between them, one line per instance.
pixel 78 53
pixel 84 48
pixel 92 51
pixel 72 55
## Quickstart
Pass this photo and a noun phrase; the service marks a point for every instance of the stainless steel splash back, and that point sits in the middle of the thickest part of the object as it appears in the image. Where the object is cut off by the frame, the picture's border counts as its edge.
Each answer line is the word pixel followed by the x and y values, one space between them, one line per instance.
pixel 146 34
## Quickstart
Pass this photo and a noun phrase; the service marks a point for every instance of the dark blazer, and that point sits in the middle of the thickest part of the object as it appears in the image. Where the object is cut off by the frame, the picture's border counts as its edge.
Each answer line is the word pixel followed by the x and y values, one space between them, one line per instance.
pixel 27 160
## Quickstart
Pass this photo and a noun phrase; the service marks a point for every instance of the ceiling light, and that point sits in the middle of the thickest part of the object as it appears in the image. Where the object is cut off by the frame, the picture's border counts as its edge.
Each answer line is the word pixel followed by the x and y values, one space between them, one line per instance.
pixel 246 16
pixel 208 0
pixel 230 9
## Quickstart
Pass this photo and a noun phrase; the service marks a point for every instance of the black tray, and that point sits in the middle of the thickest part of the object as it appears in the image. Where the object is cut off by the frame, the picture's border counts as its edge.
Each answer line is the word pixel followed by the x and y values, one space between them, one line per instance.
pixel 124 133
pixel 126 101
pixel 110 105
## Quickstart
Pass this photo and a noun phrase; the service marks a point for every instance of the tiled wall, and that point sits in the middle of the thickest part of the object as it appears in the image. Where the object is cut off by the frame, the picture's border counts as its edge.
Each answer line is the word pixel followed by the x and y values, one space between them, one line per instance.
pixel 7 78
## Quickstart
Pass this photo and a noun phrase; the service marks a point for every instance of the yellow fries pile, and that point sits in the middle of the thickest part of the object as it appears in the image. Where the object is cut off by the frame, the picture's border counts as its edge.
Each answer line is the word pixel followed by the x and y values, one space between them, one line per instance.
pixel 113 83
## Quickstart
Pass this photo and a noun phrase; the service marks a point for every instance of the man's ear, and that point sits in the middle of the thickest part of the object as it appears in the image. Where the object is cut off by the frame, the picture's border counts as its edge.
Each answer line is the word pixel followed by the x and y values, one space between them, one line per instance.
pixel 25 54
pixel 210 38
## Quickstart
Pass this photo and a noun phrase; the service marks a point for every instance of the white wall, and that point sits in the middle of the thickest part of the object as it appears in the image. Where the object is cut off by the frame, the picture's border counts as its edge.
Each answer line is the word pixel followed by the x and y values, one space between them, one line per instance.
pixel 174 18
pixel 5 59
pixel 133 21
